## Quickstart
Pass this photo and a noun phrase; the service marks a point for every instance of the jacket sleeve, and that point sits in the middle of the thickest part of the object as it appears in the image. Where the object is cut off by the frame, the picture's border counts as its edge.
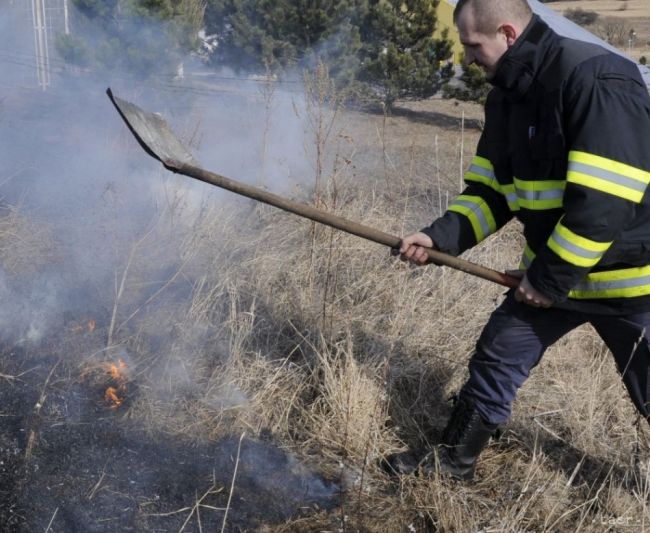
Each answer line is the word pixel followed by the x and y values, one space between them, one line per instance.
pixel 479 211
pixel 607 129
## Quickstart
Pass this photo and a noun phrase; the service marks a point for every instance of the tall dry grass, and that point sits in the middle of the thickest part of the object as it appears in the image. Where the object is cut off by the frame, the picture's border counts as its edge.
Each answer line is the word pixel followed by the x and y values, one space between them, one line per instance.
pixel 361 362
pixel 342 354
pixel 26 245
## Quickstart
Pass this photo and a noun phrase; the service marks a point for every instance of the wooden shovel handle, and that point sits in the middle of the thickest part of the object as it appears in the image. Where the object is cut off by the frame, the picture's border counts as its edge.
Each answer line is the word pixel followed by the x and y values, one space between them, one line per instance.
pixel 334 221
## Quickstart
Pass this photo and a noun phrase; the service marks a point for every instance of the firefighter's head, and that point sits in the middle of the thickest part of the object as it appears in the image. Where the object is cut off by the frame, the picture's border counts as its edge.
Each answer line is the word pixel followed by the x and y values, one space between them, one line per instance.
pixel 488 28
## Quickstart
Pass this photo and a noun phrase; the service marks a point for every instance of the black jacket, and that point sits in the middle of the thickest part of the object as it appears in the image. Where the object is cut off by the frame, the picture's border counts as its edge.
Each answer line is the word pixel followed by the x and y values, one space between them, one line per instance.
pixel 565 149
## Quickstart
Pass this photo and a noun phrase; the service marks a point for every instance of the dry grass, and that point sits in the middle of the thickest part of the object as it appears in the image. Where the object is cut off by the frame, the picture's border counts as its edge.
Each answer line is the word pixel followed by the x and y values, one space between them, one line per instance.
pixel 26 245
pixel 614 8
pixel 342 354
pixel 616 19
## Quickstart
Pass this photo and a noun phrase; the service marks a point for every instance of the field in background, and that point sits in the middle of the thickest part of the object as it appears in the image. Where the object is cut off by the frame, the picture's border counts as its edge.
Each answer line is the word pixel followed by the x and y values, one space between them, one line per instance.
pixel 325 346
pixel 628 14
pixel 618 8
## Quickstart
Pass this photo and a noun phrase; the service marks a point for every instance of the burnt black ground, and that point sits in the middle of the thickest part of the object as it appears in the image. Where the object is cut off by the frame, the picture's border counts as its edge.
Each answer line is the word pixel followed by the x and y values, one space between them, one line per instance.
pixel 94 471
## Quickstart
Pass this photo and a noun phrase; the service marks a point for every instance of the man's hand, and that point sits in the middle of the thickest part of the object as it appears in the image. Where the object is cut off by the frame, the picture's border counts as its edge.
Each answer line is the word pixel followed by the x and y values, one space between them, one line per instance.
pixel 412 248
pixel 526 293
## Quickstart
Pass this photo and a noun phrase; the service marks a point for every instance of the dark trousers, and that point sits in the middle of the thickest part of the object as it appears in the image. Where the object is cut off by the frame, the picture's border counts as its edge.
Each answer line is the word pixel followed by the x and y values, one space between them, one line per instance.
pixel 516 336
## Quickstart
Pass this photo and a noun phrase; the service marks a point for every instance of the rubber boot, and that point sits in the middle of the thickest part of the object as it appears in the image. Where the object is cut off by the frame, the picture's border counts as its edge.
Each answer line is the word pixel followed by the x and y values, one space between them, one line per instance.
pixel 463 440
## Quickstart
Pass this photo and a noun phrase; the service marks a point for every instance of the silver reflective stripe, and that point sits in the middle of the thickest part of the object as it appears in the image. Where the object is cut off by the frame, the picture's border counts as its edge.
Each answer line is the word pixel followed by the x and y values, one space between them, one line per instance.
pixel 481 171
pixel 576 250
pixel 511 198
pixel 480 216
pixel 613 284
pixel 551 194
pixel 607 175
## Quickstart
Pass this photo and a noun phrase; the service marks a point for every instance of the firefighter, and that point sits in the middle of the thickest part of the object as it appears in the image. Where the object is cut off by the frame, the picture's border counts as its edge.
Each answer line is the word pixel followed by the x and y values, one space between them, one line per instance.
pixel 566 150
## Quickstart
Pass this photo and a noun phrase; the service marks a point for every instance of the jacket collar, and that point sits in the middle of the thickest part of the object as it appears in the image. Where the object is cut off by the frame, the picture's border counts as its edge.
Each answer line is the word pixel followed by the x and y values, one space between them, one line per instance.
pixel 518 67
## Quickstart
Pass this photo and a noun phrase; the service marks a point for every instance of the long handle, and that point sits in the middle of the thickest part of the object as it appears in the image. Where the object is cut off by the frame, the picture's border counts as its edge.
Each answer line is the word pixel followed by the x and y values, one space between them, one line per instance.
pixel 334 221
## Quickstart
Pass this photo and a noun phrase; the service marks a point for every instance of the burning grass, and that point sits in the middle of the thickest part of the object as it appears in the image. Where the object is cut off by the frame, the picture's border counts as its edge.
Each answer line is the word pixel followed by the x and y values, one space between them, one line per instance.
pixel 326 353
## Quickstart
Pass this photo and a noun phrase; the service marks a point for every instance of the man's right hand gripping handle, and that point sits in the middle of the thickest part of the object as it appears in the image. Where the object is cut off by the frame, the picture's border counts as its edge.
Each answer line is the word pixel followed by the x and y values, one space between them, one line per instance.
pixel 412 248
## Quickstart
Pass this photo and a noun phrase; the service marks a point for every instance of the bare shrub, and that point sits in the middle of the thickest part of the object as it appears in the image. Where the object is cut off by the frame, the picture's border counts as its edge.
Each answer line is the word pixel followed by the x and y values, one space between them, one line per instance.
pixel 581 16
pixel 614 30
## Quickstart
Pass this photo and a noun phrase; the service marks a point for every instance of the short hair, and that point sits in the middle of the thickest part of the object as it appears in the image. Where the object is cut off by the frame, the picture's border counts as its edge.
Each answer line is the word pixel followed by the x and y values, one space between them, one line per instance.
pixel 489 14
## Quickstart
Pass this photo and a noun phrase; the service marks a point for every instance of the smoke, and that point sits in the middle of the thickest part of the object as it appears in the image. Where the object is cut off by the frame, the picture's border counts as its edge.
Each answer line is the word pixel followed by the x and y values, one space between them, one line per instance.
pixel 120 228
pixel 74 166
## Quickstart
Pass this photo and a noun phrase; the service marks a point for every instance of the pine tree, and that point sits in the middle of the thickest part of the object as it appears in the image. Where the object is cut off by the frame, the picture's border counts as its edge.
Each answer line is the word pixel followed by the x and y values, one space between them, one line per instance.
pixel 400 58
pixel 258 35
pixel 473 85
pixel 385 49
pixel 141 36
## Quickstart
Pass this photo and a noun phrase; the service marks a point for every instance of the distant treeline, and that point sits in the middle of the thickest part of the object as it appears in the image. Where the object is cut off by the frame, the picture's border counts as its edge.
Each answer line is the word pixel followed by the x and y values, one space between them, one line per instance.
pixel 379 49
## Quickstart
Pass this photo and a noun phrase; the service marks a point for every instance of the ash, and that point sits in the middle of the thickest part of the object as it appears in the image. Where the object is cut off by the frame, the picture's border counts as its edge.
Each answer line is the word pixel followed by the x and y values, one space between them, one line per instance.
pixel 92 470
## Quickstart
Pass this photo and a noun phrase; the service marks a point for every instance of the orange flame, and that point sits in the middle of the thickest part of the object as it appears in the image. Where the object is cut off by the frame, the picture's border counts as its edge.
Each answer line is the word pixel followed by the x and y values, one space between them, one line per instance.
pixel 114 394
pixel 81 327
pixel 117 370
pixel 111 396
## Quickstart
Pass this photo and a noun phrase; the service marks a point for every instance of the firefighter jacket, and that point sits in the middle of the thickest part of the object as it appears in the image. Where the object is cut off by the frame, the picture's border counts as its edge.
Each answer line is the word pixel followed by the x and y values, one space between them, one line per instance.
pixel 566 150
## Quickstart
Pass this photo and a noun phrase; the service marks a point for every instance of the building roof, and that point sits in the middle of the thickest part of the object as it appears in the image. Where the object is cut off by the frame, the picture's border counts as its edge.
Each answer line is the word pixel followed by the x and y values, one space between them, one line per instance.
pixel 565 27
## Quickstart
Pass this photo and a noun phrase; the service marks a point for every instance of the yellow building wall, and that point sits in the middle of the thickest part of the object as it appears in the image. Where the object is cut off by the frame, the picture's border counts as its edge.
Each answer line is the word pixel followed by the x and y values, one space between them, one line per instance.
pixel 446 20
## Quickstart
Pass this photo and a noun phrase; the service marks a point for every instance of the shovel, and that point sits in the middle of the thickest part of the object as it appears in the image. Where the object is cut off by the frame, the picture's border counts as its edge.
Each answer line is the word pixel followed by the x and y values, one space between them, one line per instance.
pixel 157 139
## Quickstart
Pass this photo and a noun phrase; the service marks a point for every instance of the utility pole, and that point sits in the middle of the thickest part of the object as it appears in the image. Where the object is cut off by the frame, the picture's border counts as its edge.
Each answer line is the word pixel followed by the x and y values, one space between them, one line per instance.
pixel 40 43
pixel 66 24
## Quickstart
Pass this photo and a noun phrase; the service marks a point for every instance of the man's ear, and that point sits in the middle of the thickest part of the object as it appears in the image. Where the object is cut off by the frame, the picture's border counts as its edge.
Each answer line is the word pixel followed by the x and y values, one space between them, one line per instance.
pixel 510 32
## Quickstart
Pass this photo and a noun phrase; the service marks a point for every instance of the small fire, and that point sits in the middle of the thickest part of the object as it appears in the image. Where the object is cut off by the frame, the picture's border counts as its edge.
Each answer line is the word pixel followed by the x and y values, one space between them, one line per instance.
pixel 117 370
pixel 114 376
pixel 87 326
pixel 114 394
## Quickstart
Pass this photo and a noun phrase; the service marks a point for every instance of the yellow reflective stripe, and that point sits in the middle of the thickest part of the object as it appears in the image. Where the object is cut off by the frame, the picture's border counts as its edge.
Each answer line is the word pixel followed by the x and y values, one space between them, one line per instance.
pixel 607 175
pixel 624 283
pixel 540 195
pixel 576 249
pixel 545 185
pixel 478 213
pixel 511 196
pixel 527 257
pixel 482 171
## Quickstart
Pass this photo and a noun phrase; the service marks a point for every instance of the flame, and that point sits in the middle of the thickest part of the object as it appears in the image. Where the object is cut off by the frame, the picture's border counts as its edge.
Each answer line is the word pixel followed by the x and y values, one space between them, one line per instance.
pixel 117 370
pixel 114 395
pixel 114 375
pixel 111 396
pixel 80 327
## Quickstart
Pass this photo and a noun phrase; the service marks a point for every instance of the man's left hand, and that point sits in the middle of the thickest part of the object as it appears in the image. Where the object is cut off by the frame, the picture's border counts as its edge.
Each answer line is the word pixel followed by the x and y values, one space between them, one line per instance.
pixel 529 295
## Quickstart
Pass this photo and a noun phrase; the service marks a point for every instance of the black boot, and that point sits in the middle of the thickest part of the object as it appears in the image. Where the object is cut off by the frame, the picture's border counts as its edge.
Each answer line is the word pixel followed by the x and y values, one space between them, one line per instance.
pixel 463 440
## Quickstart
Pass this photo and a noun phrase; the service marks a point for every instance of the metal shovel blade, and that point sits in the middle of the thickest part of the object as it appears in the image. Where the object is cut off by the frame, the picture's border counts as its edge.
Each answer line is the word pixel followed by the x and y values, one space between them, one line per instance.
pixel 153 134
